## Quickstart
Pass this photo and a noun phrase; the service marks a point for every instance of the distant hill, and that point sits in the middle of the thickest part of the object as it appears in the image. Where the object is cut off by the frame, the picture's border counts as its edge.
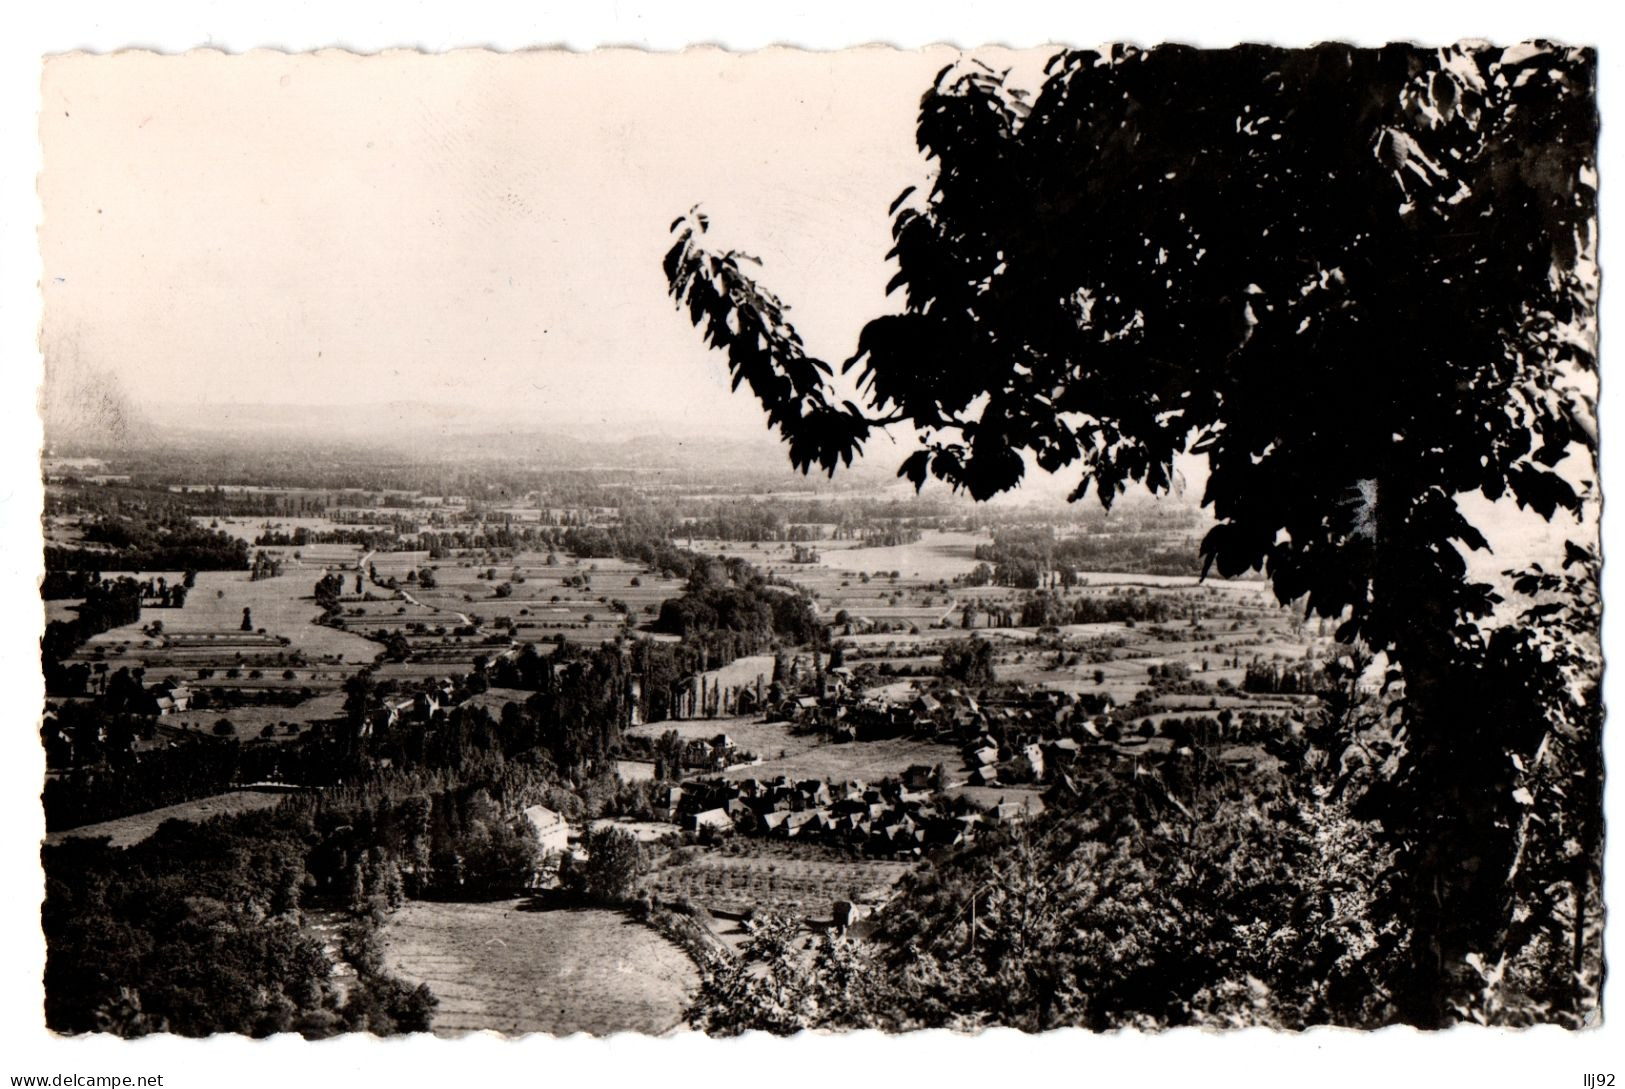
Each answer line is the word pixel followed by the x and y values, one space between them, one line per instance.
pixel 431 431
pixel 103 420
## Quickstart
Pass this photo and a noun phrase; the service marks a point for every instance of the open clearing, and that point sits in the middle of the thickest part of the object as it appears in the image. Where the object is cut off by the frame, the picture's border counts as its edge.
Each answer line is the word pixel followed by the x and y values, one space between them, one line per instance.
pixel 867 761
pixel 251 721
pixel 501 967
pixel 860 580
pixel 809 755
pixel 283 606
pixel 126 831
pixel 936 555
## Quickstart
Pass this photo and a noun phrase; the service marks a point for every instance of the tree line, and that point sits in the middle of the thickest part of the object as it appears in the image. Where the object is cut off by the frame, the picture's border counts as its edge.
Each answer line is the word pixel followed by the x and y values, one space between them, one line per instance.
pixel 1033 557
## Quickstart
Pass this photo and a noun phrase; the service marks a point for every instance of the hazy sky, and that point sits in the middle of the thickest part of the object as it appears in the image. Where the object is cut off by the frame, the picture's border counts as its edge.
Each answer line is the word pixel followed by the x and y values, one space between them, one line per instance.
pixel 476 229
pixel 473 228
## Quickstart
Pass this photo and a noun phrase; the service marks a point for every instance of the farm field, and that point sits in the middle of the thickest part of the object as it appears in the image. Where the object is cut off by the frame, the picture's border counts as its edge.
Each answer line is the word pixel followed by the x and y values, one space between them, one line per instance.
pixel 408 674
pixel 858 580
pixel 247 529
pixel 808 756
pixel 251 721
pixel 133 829
pixel 1237 622
pixel 539 604
pixel 936 555
pixel 1134 578
pixel 763 875
pixel 283 606
pixel 504 967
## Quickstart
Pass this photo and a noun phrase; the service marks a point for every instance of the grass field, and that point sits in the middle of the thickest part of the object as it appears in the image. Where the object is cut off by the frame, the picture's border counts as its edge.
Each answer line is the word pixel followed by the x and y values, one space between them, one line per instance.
pixel 133 829
pixel 540 605
pixel 858 579
pixel 936 555
pixel 809 756
pixel 63 609
pixel 283 606
pixel 868 761
pixel 765 739
pixel 251 721
pixel 496 966
pixel 247 529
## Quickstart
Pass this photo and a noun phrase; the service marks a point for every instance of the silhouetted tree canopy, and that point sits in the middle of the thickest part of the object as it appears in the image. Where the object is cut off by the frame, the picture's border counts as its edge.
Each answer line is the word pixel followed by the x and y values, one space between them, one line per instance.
pixel 1359 282
pixel 1163 248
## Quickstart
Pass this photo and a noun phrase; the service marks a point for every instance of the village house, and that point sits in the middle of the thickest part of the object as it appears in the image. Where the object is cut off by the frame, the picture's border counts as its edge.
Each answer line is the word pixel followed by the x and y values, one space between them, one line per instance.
pixel 887 820
pixel 716 820
pixel 165 698
pixel 667 801
pixel 1007 812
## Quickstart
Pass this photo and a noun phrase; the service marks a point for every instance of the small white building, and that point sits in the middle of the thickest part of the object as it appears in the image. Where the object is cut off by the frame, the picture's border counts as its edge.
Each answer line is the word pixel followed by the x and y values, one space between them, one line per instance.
pixel 715 819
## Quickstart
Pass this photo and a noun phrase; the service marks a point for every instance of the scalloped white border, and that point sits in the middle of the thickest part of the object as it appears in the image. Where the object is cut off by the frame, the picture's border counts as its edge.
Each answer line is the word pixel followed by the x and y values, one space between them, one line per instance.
pixel 1547 1057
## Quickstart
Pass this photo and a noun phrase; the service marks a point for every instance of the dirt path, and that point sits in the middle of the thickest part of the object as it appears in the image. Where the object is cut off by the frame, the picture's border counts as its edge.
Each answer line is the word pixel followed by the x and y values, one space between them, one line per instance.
pixel 410 600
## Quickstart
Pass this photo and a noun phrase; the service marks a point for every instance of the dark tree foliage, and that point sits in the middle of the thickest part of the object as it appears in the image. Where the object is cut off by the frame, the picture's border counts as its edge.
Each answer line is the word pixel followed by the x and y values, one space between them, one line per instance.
pixel 1027 557
pixel 66 584
pixel 196 931
pixel 1045 609
pixel 1104 262
pixel 166 542
pixel 969 661
pixel 1144 900
pixel 732 596
pixel 162 777
pixel 204 927
pixel 329 588
pixel 108 604
pixel 1357 281
pixel 644 544
pixel 610 873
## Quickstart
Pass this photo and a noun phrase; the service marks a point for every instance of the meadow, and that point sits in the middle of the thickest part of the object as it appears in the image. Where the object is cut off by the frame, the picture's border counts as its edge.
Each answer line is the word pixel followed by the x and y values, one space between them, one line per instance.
pixel 126 831
pixel 210 626
pixel 506 967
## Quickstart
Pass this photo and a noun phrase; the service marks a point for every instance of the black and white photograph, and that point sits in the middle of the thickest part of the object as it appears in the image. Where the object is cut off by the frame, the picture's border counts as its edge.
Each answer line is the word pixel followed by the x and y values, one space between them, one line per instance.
pixel 707 543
